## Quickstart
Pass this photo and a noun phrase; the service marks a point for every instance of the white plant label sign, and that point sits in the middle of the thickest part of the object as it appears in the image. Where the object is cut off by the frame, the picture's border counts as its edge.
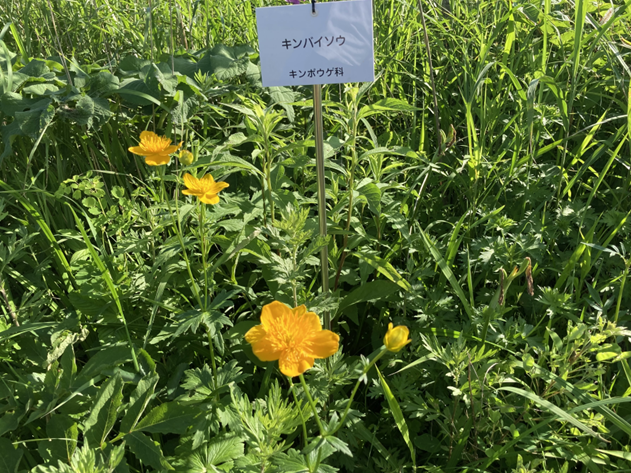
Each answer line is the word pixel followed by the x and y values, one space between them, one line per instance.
pixel 333 46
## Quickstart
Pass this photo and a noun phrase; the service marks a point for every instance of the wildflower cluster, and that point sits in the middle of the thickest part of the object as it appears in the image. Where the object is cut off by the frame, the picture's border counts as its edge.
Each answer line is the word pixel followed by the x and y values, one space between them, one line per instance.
pixel 157 150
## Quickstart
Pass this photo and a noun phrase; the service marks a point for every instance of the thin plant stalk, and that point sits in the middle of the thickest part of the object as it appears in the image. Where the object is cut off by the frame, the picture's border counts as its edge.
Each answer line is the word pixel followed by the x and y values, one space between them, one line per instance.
pixel 313 405
pixel 299 405
pixel 428 49
pixel 625 273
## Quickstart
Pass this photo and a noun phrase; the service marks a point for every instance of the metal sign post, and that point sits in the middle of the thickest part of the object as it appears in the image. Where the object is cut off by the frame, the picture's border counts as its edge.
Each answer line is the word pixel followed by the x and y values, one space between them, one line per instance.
pixel 330 43
pixel 319 145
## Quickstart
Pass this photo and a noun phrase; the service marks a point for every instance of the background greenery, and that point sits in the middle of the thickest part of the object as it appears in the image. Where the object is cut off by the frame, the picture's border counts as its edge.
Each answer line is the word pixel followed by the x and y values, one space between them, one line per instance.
pixel 527 185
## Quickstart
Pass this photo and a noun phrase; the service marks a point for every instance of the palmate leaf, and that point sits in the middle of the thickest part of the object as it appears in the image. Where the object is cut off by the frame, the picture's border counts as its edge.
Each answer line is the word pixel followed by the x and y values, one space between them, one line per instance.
pixel 218 454
pixel 202 382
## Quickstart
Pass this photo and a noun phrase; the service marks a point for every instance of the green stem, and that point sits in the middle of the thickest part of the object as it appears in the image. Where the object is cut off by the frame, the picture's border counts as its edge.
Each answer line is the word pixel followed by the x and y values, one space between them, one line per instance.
pixel 212 360
pixel 302 418
pixel 624 277
pixel 268 175
pixel 350 401
pixel 351 184
pixel 178 231
pixel 313 405
pixel 202 239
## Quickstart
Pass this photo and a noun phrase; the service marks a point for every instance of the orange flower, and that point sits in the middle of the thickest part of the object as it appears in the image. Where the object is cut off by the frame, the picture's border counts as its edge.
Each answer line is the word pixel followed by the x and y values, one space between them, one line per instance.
pixel 205 189
pixel 156 149
pixel 396 338
pixel 292 336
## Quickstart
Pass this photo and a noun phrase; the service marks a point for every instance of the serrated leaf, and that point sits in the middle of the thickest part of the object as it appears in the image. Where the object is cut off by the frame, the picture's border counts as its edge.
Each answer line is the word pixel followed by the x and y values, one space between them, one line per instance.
pixel 104 411
pixel 147 451
pixel 219 453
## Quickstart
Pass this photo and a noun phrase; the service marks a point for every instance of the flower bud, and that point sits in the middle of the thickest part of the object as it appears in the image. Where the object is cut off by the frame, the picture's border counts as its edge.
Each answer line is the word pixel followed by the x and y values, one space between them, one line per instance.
pixel 396 337
pixel 186 157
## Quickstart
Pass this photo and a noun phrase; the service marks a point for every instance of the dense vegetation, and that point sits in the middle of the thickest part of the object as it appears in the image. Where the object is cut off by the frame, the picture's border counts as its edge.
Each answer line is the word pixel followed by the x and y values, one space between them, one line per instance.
pixel 482 200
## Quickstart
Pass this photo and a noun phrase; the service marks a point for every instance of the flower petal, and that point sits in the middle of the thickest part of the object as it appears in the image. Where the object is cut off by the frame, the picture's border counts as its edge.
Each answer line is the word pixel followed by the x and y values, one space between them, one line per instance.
pixel 321 344
pixel 157 160
pixel 190 181
pixel 209 198
pixel 266 351
pixel 171 149
pixel 255 334
pixel 216 187
pixel 194 192
pixel 307 322
pixel 147 135
pixel 292 365
pixel 207 179
pixel 274 312
pixel 138 150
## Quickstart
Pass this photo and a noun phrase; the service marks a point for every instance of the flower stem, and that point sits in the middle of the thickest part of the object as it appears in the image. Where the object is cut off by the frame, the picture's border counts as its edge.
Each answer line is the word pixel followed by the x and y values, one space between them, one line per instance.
pixel 302 418
pixel 212 360
pixel 202 239
pixel 350 401
pixel 313 405
pixel 178 231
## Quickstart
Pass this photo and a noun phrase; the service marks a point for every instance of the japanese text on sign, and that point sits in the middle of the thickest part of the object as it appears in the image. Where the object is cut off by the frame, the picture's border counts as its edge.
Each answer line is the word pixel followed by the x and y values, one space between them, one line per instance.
pixel 340 40
pixel 334 46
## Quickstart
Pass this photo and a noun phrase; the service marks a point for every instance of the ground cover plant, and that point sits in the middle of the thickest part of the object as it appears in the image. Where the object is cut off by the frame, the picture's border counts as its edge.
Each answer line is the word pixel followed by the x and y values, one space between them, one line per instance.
pixel 159 247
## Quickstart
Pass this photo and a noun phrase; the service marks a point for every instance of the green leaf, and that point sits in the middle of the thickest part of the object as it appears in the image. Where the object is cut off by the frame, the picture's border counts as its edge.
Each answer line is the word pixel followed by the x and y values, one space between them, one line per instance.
pixel 30 327
pixel 385 105
pixel 104 411
pixel 219 453
pixel 59 426
pixel 10 457
pixel 147 451
pixel 369 292
pixel 448 273
pixel 398 415
pixel 385 268
pixel 552 408
pixel 169 417
pixel 373 197
pixel 226 62
pixel 104 359
pixel 138 402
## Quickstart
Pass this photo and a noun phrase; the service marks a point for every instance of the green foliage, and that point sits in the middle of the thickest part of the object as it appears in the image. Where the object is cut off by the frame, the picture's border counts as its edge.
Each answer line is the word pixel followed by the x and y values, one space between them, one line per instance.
pixel 500 240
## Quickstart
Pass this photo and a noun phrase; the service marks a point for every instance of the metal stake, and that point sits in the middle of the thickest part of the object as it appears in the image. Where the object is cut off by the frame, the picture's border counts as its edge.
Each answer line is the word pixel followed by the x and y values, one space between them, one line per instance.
pixel 319 145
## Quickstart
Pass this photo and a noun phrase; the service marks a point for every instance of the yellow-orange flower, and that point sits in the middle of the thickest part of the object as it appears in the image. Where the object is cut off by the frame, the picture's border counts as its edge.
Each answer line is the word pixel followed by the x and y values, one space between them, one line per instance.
pixel 396 338
pixel 205 189
pixel 156 149
pixel 294 337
